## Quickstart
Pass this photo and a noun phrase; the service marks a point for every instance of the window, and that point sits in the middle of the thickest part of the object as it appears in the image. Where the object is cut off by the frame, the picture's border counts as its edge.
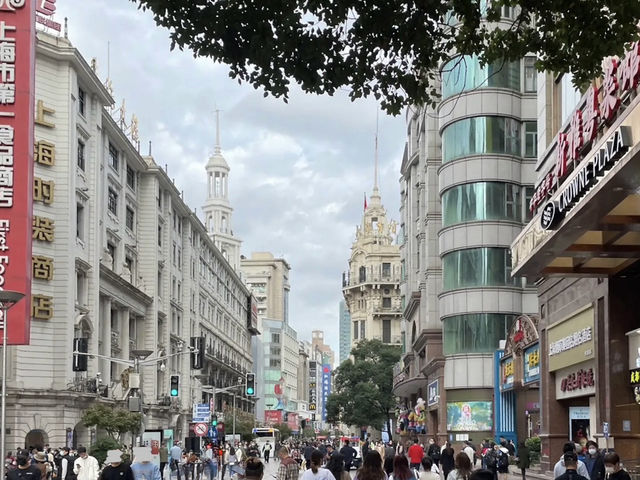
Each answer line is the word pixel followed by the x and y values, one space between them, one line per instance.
pixel 465 73
pixel 81 155
pixel 81 288
pixel 481 201
pixel 129 263
pixel 477 267
pixel 528 195
pixel 131 178
pixel 481 135
pixel 112 202
pixel 79 221
pixel 114 160
pixel 386 302
pixel 355 330
pixel 362 330
pixel 81 101
pixel 130 219
pixel 159 235
pixel 362 275
pixel 530 139
pixel 570 96
pixel 386 331
pixel 159 286
pixel 530 75
pixel 386 270
pixel 475 332
pixel 275 338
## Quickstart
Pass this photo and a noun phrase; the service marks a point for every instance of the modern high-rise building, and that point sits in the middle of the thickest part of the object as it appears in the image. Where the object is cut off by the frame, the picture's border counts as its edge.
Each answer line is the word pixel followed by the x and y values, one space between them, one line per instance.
pixel 345 331
pixel 371 286
pixel 317 343
pixel 468 173
pixel 217 208
pixel 268 278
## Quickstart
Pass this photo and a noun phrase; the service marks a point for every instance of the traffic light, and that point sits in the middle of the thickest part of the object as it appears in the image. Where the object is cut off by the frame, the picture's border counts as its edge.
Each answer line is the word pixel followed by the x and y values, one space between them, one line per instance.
pixel 174 384
pixel 80 361
pixel 214 421
pixel 197 345
pixel 251 385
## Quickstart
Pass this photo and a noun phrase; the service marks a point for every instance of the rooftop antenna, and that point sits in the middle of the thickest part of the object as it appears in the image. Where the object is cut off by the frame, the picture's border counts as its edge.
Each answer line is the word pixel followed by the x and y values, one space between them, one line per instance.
pixel 218 148
pixel 375 175
pixel 149 147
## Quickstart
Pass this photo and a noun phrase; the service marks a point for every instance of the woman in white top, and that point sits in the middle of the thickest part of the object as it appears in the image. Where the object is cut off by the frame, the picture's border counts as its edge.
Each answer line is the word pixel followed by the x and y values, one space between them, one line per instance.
pixel 430 470
pixel 316 472
pixel 463 468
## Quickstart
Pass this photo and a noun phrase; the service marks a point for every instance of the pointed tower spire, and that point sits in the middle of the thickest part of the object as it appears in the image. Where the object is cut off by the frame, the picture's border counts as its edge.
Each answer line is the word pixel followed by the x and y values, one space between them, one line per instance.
pixel 218 147
pixel 375 173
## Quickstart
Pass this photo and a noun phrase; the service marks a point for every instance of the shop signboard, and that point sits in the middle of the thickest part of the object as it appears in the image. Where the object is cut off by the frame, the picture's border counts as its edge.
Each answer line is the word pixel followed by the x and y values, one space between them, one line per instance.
pixel 433 390
pixel 469 416
pixel 576 381
pixel 507 372
pixel 634 377
pixel 292 422
pixel 531 360
pixel 17 105
pixel 313 386
pixel 326 388
pixel 571 341
pixel 273 417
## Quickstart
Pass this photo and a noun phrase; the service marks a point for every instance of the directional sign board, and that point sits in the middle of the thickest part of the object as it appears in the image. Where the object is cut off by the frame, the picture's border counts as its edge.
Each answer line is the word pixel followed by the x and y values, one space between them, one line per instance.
pixel 201 413
pixel 201 429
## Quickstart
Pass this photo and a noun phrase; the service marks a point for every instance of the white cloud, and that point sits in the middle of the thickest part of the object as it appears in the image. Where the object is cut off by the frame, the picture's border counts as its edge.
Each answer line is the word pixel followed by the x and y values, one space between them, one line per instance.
pixel 298 169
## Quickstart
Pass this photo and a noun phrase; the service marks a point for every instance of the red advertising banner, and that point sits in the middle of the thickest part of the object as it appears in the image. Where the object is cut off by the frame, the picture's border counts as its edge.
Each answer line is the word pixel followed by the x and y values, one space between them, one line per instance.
pixel 17 86
pixel 292 422
pixel 272 417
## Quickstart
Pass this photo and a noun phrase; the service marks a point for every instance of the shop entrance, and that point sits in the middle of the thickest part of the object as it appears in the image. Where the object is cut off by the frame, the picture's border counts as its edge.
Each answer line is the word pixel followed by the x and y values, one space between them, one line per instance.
pixel 36 439
pixel 579 424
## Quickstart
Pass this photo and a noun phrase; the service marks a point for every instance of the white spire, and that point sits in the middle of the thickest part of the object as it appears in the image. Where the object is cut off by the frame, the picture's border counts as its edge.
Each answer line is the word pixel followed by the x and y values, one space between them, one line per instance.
pixel 218 148
pixel 375 173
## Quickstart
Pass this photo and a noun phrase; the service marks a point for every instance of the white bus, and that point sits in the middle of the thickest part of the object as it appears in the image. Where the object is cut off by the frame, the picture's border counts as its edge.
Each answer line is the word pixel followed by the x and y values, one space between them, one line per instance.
pixel 263 435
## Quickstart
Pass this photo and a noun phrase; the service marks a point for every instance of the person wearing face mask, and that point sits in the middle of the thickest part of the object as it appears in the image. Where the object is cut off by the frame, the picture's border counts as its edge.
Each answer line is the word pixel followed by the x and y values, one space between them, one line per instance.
pixel 613 469
pixel 25 470
pixel 570 460
pixel 594 461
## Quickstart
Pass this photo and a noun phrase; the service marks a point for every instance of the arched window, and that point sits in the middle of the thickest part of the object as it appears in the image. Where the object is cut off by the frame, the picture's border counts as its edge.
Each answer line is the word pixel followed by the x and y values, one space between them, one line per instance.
pixel 362 274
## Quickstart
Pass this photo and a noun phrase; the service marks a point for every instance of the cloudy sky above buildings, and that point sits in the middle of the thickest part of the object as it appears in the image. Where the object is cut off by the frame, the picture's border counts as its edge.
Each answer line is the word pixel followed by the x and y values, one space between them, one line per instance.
pixel 298 170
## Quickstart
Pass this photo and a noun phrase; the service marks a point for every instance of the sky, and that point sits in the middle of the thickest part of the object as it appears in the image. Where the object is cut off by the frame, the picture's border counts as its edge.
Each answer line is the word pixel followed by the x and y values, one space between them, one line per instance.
pixel 299 170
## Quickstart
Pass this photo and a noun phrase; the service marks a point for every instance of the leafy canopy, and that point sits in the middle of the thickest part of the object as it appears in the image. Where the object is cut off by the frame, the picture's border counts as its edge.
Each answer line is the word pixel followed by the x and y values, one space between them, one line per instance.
pixel 391 49
pixel 114 421
pixel 364 387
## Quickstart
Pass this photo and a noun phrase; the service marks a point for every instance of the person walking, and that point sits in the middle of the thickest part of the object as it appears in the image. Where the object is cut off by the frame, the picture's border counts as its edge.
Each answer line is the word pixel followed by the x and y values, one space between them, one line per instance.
pixel 416 454
pixel 447 459
pixel 371 468
pixel 434 451
pixel 266 451
pixel 142 466
pixel 389 455
pixel 594 461
pixel 524 461
pixel 469 451
pixel 175 455
pixel 613 468
pixel 430 470
pixel 503 462
pixel 86 467
pixel 289 467
pixel 24 470
pixel 560 467
pixel 116 470
pixel 463 468
pixel 164 458
pixel 401 470
pixel 570 465
pixel 316 472
pixel 349 454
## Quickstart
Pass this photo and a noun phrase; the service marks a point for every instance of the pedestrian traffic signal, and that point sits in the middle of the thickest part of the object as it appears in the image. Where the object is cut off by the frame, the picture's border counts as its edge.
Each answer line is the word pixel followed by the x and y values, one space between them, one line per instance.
pixel 214 421
pixel 197 345
pixel 174 385
pixel 80 345
pixel 251 385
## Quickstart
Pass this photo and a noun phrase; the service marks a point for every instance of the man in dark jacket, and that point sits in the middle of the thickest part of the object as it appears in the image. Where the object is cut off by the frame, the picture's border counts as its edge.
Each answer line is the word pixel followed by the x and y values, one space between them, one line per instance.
pixel 571 465
pixel 594 461
pixel 349 454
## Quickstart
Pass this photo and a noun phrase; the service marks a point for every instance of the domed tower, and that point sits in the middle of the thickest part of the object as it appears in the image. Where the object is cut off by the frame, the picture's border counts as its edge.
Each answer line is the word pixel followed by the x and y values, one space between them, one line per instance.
pixel 217 209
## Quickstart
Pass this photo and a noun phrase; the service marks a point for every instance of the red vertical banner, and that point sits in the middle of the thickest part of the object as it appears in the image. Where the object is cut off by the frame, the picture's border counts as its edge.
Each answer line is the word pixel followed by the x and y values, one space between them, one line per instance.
pixel 17 91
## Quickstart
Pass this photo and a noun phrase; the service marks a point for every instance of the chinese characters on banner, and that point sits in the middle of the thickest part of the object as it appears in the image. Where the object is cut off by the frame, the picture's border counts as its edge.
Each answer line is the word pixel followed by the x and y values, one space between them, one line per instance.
pixel 326 388
pixel 17 82
pixel 600 109
pixel 313 390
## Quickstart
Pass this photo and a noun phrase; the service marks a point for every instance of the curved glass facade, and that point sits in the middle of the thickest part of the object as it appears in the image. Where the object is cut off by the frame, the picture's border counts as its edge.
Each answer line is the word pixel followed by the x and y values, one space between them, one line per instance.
pixel 465 73
pixel 475 332
pixel 477 267
pixel 480 135
pixel 481 201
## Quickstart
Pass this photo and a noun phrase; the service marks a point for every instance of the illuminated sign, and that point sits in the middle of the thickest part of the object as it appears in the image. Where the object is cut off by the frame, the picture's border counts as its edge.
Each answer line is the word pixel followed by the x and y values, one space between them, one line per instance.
pixel 507 368
pixel 532 363
pixel 634 377
pixel 17 85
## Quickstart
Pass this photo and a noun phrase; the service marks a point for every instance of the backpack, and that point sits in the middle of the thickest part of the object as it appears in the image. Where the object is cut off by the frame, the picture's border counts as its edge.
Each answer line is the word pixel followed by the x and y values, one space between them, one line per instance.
pixel 503 460
pixel 490 460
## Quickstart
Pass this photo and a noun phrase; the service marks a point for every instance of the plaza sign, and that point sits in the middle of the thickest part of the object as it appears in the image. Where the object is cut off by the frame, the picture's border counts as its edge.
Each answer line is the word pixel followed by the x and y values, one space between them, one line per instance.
pixel 600 109
pixel 589 174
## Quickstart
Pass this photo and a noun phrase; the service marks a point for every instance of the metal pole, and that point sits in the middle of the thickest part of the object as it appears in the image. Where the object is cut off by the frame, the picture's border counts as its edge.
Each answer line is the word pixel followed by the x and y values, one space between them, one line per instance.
pixel 4 389
pixel 234 416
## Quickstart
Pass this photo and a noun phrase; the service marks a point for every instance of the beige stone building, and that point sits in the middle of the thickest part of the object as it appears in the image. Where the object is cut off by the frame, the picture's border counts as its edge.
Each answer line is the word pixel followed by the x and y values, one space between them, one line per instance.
pixel 371 287
pixel 268 279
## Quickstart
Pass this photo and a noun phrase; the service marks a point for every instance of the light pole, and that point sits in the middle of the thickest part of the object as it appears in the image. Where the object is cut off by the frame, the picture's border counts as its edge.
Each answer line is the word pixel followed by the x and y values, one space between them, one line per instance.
pixel 7 300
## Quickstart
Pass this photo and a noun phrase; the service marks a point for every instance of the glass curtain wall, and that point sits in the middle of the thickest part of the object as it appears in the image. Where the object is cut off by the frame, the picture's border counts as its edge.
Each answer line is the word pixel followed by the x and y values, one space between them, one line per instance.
pixel 481 135
pixel 481 201
pixel 477 267
pixel 475 332
pixel 464 73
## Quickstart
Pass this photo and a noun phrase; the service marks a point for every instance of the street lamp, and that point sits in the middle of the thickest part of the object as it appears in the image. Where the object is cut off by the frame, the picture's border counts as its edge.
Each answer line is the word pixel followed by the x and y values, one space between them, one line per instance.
pixel 7 300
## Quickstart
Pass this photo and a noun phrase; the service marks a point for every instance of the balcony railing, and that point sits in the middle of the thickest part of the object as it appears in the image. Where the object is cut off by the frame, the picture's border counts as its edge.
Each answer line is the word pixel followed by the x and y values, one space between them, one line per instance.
pixel 352 282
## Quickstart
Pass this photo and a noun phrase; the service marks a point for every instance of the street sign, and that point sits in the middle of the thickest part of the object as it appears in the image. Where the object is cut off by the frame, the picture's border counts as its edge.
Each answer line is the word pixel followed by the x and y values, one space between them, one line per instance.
pixel 213 433
pixel 201 413
pixel 200 429
pixel 605 429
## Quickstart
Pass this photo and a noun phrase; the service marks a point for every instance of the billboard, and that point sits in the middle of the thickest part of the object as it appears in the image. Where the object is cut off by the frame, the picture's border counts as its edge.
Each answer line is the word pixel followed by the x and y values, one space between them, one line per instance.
pixel 252 313
pixel 326 388
pixel 469 416
pixel 313 387
pixel 273 417
pixel 532 363
pixel 17 85
pixel 292 422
